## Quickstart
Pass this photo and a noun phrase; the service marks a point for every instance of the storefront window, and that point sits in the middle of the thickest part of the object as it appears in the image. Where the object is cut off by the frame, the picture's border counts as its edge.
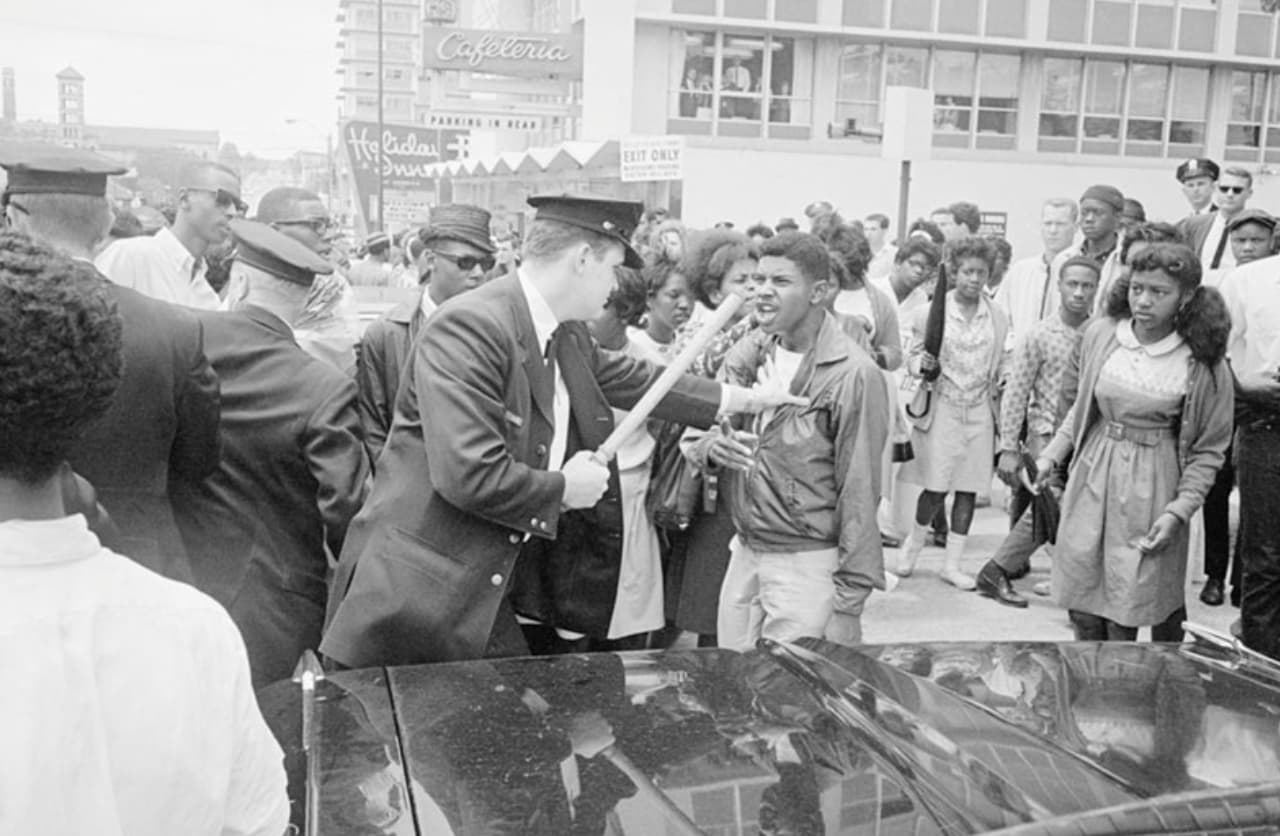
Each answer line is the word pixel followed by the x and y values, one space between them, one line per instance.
pixel 727 83
pixel 1148 86
pixel 1190 104
pixel 953 75
pixel 1132 108
pixel 1248 92
pixel 741 75
pixel 858 87
pixel 697 87
pixel 1060 102
pixel 998 78
pixel 1103 91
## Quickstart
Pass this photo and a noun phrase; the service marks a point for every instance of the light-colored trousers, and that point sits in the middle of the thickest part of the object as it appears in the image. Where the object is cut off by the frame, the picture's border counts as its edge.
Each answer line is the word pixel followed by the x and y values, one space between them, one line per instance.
pixel 774 595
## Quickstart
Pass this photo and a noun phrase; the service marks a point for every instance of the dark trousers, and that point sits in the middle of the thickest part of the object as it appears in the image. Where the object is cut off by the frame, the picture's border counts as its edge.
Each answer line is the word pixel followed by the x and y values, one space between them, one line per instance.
pixel 1014 554
pixel 1258 461
pixel 1217 527
pixel 1095 628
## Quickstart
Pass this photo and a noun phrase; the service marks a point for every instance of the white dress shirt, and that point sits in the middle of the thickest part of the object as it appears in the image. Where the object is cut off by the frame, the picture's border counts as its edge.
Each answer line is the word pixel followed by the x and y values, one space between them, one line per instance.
pixel 161 267
pixel 1252 294
pixel 127 706
pixel 1028 294
pixel 1217 233
pixel 881 264
pixel 544 325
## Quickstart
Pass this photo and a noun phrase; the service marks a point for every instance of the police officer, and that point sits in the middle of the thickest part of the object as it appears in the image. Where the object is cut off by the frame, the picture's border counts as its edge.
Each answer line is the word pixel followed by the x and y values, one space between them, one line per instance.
pixel 293 466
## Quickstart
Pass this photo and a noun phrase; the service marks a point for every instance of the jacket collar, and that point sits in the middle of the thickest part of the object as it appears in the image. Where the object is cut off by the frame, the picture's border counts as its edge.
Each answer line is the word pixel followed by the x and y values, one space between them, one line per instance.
pixel 541 384
pixel 267 320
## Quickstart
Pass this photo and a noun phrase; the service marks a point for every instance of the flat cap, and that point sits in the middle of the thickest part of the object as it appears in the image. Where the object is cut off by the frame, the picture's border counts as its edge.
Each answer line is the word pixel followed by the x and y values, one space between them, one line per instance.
pixel 1107 194
pixel 616 219
pixel 1251 216
pixel 38 168
pixel 460 222
pixel 1198 167
pixel 276 254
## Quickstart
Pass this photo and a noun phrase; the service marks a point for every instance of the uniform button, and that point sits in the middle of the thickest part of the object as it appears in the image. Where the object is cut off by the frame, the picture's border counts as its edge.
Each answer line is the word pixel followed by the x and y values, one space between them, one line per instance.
pixel 496 580
pixel 515 539
pixel 533 523
pixel 541 449
pixel 542 526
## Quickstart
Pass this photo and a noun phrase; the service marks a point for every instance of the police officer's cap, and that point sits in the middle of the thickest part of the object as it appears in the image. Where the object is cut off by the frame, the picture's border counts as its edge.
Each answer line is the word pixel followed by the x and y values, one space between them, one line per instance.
pixel 276 254
pixel 38 168
pixel 1197 167
pixel 615 219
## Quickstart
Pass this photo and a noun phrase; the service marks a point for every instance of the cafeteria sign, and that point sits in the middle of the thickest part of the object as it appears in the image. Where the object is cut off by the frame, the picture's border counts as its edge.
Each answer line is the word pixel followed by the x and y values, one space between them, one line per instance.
pixel 525 54
pixel 407 154
pixel 648 158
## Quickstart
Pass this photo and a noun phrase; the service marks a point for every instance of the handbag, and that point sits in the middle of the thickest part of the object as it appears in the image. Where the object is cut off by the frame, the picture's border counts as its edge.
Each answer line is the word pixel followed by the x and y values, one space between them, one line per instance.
pixel 675 485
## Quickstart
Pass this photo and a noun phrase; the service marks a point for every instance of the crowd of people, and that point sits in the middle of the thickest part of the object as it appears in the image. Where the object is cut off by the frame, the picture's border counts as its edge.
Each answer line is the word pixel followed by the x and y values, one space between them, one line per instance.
pixel 199 483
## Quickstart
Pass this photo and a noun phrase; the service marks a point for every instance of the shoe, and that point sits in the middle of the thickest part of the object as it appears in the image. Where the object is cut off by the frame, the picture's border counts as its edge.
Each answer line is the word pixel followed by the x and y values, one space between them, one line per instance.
pixel 994 583
pixel 1041 588
pixel 1211 595
pixel 951 568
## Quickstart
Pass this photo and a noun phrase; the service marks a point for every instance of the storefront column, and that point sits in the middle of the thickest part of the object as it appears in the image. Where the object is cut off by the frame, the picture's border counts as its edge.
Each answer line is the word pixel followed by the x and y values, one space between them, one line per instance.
pixel 608 62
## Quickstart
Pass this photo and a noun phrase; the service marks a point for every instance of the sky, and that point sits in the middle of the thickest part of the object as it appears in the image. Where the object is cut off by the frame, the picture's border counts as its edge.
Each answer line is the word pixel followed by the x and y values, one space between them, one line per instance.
pixel 241 67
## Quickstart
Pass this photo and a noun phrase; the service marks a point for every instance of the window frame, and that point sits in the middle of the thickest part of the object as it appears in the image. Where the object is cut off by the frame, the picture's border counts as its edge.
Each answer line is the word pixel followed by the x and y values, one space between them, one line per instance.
pixel 1267 126
pixel 1123 145
pixel 766 102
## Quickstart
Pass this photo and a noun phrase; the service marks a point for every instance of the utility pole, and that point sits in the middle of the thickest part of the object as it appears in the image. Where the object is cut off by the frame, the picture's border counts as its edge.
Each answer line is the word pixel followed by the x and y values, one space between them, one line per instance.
pixel 380 223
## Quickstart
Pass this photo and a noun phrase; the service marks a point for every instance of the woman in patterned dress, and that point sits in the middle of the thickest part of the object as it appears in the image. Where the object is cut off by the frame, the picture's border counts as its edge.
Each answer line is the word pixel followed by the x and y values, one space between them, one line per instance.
pixel 1149 428
pixel 954 441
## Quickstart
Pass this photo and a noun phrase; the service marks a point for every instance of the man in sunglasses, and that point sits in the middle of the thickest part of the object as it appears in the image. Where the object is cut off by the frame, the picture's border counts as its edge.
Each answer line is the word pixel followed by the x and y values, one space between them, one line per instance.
pixel 328 326
pixel 456 254
pixel 1207 234
pixel 171 264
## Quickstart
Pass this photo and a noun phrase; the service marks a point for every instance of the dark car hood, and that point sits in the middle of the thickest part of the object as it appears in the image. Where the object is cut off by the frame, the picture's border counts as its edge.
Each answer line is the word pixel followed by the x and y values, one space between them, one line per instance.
pixel 804 738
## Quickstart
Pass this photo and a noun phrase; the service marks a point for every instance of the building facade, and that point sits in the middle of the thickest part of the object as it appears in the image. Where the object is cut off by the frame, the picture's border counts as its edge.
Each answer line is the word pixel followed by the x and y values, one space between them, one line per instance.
pixel 1031 98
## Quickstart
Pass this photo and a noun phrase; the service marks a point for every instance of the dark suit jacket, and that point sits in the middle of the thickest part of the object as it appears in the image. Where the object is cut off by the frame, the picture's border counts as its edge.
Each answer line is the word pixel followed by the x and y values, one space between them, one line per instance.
pixel 163 422
pixel 384 350
pixel 428 559
pixel 1194 229
pixel 291 478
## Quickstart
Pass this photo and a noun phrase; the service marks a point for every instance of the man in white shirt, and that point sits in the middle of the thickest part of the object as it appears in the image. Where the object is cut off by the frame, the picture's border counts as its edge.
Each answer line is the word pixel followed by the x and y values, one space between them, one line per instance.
pixel 170 265
pixel 1028 293
pixel 876 226
pixel 1207 233
pixel 129 708
pixel 1252 293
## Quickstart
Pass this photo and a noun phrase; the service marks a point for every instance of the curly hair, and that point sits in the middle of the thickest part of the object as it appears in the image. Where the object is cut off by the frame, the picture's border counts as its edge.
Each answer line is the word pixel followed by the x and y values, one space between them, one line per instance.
pixel 629 299
pixel 850 254
pixel 973 246
pixel 1153 232
pixel 929 228
pixel 708 257
pixel 60 355
pixel 966 214
pixel 1203 320
pixel 918 246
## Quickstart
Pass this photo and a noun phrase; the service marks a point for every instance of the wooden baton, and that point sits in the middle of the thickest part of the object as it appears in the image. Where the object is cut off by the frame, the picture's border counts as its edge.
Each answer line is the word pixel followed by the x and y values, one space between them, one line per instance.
pixel 673 372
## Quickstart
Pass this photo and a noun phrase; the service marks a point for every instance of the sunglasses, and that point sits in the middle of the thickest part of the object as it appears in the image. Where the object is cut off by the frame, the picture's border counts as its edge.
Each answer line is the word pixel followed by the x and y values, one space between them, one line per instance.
pixel 223 199
pixel 1232 189
pixel 319 226
pixel 467 263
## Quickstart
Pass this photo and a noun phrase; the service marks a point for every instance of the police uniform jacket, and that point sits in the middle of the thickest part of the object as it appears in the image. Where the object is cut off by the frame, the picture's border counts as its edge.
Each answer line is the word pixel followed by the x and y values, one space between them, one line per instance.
pixel 291 478
pixel 428 559
pixel 162 423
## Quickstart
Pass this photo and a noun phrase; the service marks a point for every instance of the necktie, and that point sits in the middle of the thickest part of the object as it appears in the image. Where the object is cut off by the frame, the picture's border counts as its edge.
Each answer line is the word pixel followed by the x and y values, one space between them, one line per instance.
pixel 1222 245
